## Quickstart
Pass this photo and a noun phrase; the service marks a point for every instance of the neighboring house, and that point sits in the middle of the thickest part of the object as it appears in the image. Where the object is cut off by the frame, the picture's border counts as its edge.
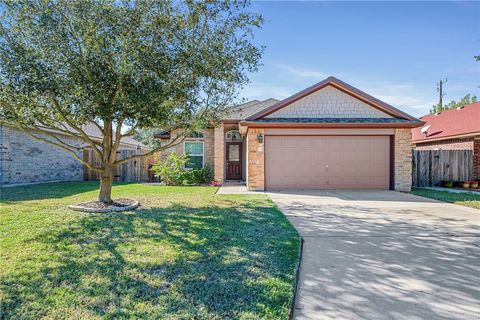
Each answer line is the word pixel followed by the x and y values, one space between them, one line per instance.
pixel 455 129
pixel 26 160
pixel 328 136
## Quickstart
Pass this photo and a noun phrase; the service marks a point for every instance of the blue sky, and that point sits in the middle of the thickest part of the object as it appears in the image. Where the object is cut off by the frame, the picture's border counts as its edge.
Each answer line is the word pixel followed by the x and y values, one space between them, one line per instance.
pixel 396 51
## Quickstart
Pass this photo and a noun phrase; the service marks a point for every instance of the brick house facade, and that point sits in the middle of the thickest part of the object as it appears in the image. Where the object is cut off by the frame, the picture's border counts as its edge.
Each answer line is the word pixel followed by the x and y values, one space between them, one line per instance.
pixel 24 160
pixel 328 136
pixel 455 129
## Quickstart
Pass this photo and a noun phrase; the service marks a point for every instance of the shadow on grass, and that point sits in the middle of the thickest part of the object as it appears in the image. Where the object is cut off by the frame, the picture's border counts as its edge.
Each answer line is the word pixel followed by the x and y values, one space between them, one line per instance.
pixel 181 262
pixel 53 190
pixel 46 190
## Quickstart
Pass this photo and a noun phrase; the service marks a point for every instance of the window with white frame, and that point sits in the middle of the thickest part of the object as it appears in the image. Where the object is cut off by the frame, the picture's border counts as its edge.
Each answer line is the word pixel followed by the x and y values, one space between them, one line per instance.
pixel 194 151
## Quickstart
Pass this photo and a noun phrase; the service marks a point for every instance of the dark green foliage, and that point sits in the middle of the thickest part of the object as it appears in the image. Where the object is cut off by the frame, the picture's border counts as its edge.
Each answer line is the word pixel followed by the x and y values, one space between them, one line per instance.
pixel 467 99
pixel 171 171
pixel 196 176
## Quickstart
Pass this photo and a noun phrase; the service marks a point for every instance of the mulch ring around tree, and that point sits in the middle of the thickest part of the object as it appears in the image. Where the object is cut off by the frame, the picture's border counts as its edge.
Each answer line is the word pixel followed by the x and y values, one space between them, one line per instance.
pixel 117 205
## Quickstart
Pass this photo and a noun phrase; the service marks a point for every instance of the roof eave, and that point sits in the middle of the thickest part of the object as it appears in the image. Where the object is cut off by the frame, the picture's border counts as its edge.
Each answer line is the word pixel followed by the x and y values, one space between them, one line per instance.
pixel 252 124
pixel 455 136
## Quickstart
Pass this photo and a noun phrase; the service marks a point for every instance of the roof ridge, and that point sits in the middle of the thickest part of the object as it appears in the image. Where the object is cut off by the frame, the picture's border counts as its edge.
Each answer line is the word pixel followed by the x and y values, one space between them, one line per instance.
pixel 339 84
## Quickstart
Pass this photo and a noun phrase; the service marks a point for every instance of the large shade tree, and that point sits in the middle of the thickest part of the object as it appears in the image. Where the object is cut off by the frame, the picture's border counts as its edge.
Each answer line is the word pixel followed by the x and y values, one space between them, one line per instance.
pixel 121 66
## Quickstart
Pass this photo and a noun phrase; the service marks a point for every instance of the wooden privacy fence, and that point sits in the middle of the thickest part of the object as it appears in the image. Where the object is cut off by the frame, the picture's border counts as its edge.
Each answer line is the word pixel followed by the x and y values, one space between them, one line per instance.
pixel 132 171
pixel 431 167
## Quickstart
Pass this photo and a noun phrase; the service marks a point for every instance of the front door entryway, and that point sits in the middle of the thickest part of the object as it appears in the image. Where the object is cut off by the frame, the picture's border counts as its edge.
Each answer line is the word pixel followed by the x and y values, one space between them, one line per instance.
pixel 234 160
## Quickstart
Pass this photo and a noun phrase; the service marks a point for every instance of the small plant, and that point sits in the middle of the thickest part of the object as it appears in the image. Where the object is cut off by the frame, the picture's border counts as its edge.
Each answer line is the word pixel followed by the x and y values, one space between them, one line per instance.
pixel 447 184
pixel 215 184
pixel 172 172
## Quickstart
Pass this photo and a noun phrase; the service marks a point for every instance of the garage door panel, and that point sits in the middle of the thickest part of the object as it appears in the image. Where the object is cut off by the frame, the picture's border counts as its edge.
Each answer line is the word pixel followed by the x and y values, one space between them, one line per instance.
pixel 327 162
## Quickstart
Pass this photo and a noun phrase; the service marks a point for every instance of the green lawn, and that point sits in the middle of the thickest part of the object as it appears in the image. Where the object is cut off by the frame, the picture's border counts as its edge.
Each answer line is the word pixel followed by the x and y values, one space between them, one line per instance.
pixel 463 199
pixel 185 254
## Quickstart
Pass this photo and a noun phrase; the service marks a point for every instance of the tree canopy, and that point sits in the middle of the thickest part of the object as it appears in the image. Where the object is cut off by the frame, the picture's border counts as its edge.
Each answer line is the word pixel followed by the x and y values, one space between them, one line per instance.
pixel 467 99
pixel 121 65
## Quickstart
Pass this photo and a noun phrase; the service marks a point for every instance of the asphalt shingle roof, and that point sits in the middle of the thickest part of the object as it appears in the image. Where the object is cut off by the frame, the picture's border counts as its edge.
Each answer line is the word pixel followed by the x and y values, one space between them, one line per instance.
pixel 245 110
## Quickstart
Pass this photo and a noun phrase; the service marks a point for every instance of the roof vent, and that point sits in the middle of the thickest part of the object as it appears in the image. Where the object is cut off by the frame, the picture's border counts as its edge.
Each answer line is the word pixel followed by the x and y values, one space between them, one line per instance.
pixel 460 108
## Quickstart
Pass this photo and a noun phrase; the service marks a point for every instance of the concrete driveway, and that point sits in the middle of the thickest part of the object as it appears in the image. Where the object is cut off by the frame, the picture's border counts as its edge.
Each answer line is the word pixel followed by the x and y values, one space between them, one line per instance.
pixel 384 255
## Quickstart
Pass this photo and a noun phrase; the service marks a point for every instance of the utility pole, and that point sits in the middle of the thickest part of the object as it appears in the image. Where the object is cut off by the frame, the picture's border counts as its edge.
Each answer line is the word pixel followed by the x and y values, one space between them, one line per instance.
pixel 441 93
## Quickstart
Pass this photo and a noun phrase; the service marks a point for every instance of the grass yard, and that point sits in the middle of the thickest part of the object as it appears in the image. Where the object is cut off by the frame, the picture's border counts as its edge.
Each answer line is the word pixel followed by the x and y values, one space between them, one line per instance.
pixel 185 254
pixel 463 199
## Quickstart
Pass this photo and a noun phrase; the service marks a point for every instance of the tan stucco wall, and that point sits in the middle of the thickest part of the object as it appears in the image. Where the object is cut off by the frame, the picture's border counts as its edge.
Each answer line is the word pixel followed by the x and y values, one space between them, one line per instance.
pixel 329 102
pixel 403 159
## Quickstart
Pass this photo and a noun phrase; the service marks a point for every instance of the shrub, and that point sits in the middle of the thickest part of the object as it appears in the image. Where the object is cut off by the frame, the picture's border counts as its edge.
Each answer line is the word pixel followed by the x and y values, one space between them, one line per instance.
pixel 197 176
pixel 171 171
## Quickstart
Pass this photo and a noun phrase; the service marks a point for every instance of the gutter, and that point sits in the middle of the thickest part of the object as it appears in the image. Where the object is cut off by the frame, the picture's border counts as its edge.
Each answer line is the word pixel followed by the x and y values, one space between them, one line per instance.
pixel 252 124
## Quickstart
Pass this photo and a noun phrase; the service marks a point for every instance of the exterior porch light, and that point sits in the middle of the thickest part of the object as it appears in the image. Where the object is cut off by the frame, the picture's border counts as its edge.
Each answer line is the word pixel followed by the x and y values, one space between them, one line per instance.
pixel 260 138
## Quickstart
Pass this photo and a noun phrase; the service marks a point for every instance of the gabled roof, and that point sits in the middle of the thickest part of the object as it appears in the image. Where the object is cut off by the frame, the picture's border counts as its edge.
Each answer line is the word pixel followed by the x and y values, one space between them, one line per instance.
pixel 245 110
pixel 340 85
pixel 448 124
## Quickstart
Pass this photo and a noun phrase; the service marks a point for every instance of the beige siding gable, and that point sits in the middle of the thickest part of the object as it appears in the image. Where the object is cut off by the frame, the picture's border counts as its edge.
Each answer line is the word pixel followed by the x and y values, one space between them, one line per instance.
pixel 329 102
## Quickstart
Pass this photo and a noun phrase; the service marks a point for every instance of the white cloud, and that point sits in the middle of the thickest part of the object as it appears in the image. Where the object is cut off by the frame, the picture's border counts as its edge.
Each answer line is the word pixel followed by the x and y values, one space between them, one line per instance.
pixel 262 91
pixel 301 73
pixel 409 98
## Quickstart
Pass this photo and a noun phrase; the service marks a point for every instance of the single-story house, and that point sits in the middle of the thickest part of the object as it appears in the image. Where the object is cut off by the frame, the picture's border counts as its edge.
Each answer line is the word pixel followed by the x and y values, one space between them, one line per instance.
pixel 25 160
pixel 328 136
pixel 454 129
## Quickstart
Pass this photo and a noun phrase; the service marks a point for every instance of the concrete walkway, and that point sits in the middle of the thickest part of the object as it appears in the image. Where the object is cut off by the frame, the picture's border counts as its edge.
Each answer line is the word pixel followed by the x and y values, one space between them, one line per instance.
pixel 234 187
pixel 384 255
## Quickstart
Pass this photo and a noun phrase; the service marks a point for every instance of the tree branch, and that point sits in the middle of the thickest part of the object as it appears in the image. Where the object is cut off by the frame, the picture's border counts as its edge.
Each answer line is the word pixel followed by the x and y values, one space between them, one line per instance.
pixel 59 145
pixel 177 140
pixel 82 133
pixel 118 135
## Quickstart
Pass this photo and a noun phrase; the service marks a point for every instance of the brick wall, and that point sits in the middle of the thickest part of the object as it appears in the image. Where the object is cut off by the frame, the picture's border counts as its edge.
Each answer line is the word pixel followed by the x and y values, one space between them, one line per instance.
pixel 219 153
pixel 329 103
pixel 255 161
pixel 403 160
pixel 476 159
pixel 25 160
pixel 451 144
pixel 208 146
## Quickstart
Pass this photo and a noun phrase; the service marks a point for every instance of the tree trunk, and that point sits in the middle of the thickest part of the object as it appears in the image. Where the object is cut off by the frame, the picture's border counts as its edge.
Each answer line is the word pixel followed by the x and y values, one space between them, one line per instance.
pixel 106 181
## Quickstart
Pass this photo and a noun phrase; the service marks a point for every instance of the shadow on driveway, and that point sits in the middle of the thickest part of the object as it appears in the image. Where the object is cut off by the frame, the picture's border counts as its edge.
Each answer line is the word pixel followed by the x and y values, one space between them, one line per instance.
pixel 384 255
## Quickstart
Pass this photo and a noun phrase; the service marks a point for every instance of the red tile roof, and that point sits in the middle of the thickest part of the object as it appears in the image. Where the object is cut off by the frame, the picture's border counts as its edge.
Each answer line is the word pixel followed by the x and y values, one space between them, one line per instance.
pixel 450 123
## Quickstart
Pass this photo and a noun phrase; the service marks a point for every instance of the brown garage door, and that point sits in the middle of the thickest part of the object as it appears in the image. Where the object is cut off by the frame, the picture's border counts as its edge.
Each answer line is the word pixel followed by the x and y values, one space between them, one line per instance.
pixel 327 162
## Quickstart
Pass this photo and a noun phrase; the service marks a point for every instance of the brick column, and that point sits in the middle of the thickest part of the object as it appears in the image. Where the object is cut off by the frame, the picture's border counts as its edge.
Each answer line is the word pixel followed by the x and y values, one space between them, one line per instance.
pixel 476 159
pixel 219 154
pixel 255 161
pixel 403 159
